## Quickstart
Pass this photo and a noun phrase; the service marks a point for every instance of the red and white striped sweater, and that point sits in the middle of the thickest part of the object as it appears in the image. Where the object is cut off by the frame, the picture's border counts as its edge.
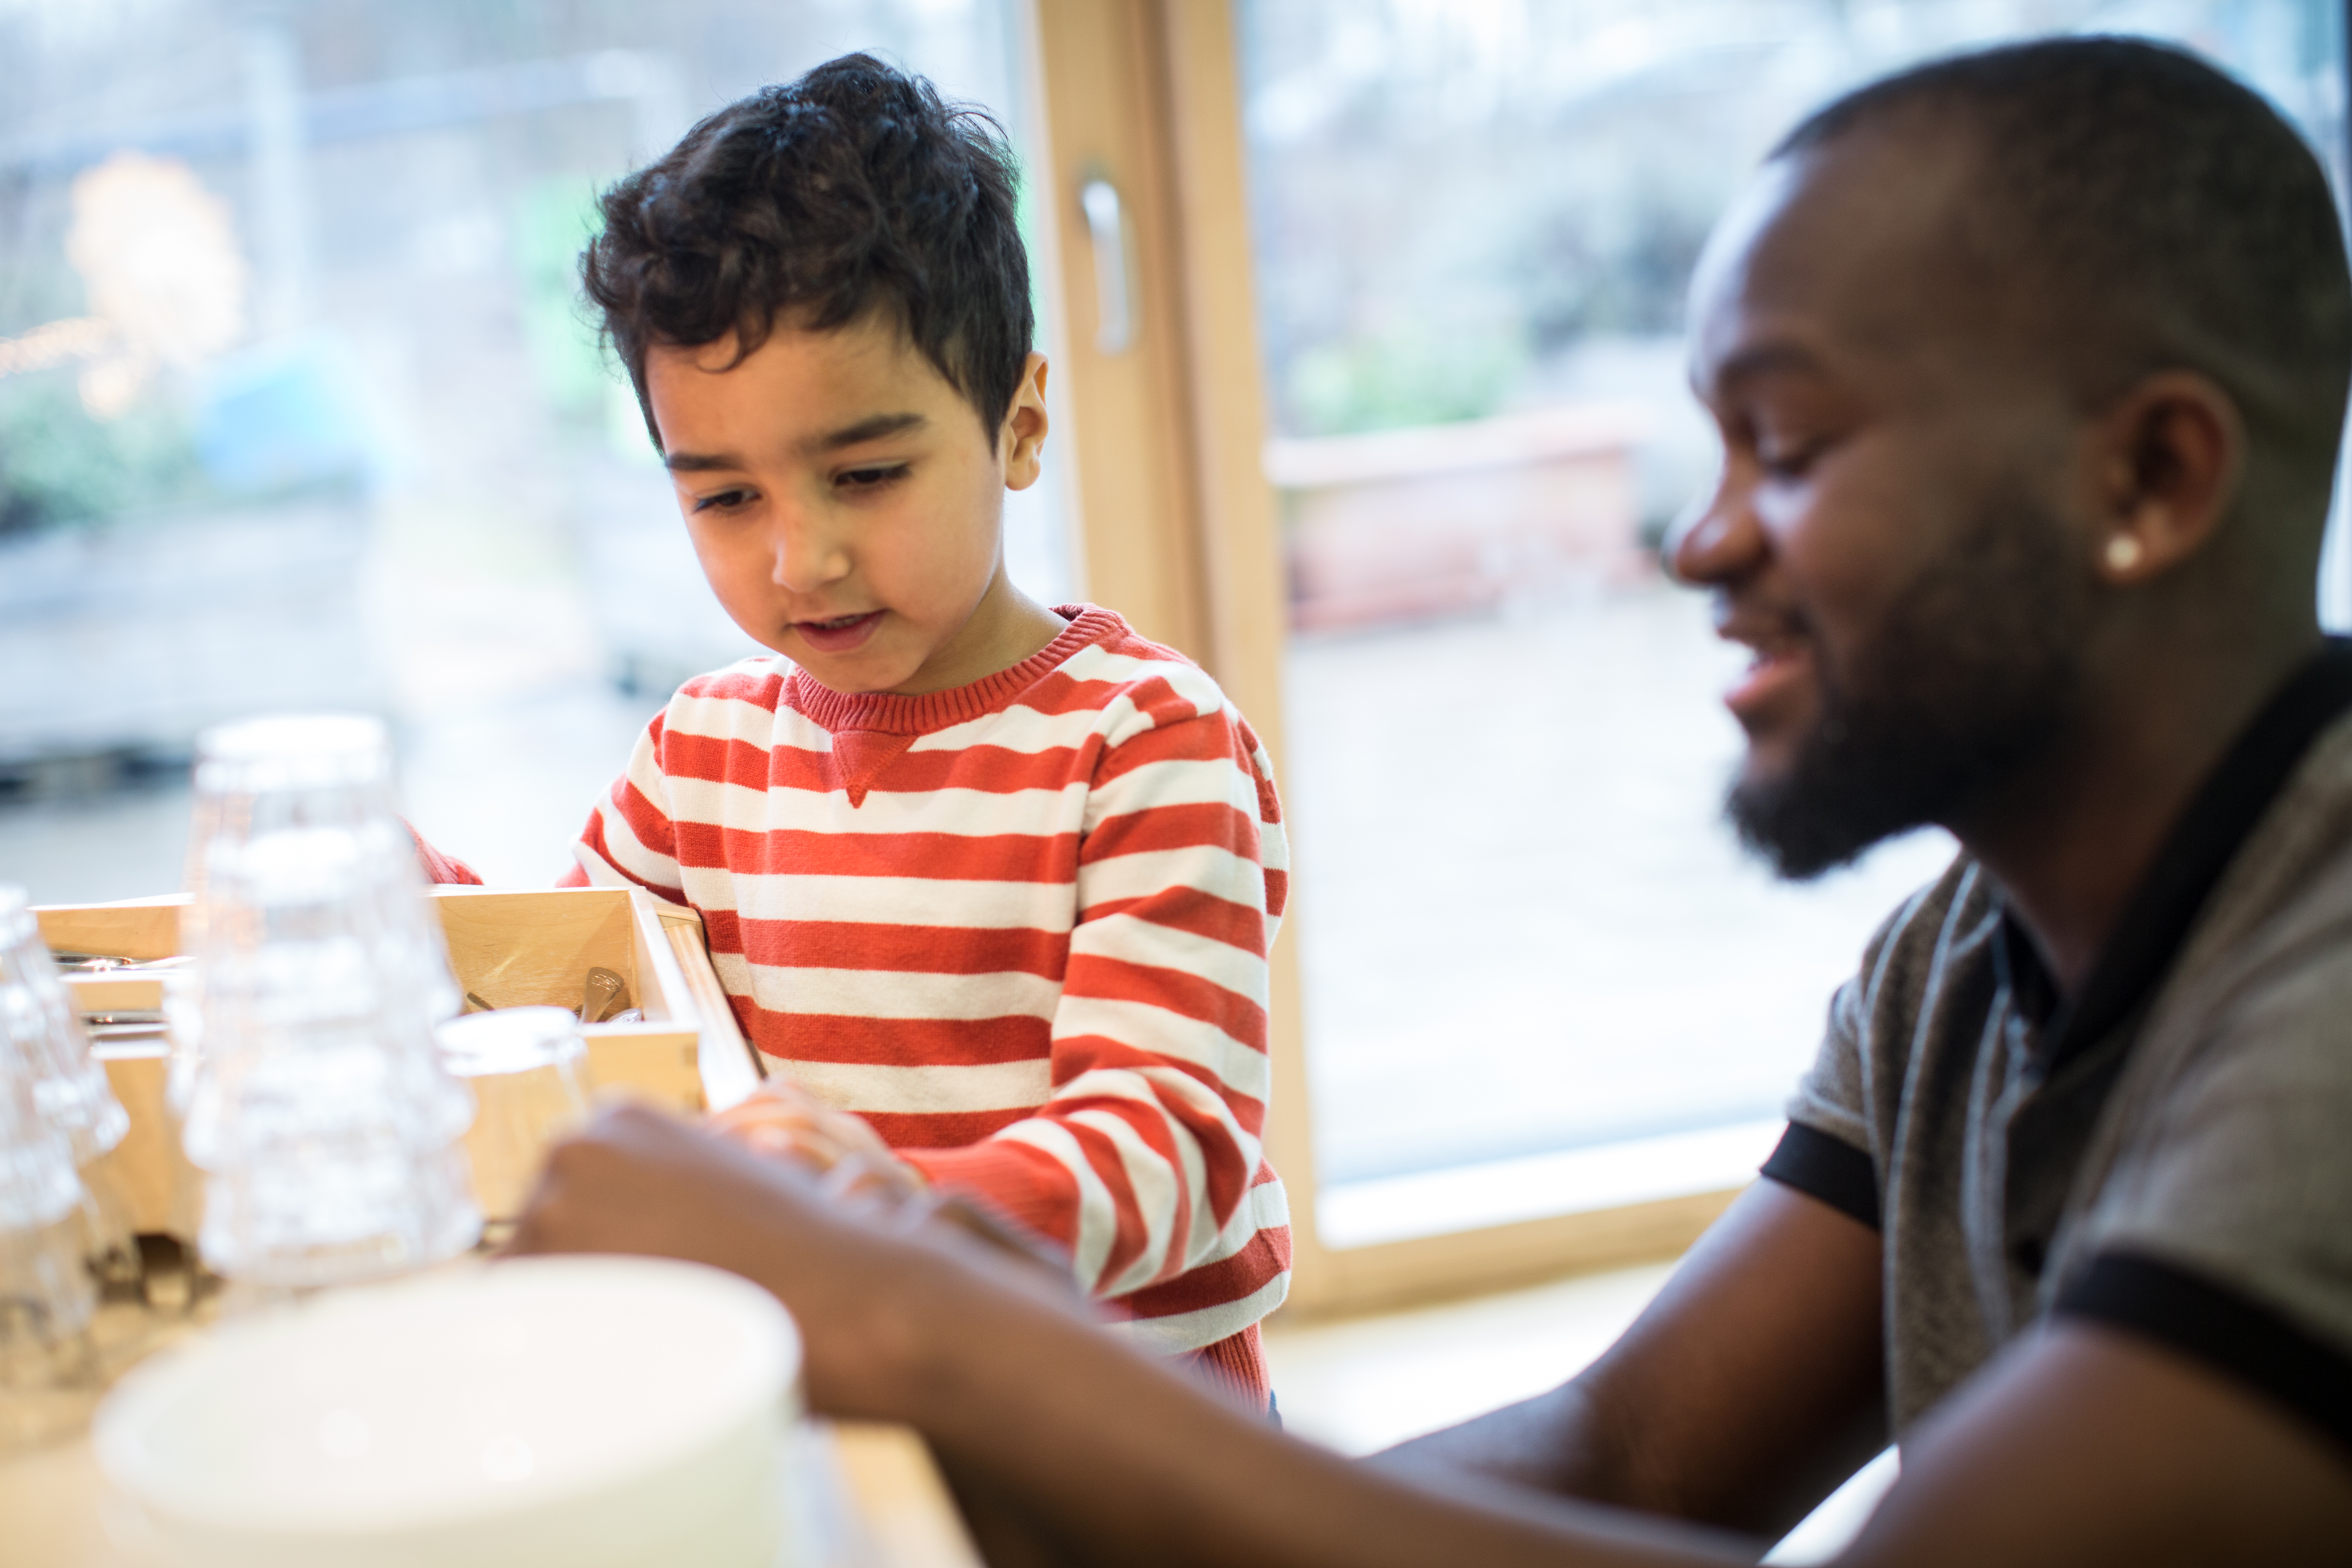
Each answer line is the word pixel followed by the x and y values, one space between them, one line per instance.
pixel 1021 927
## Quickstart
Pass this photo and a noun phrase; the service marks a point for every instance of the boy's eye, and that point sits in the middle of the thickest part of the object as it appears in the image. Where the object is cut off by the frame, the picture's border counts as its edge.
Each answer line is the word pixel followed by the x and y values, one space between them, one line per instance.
pixel 721 500
pixel 870 478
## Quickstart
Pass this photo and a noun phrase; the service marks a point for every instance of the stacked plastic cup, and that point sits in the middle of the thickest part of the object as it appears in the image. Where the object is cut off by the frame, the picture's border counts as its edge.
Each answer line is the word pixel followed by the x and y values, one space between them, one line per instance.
pixel 41 1034
pixel 38 1022
pixel 315 1099
pixel 46 1291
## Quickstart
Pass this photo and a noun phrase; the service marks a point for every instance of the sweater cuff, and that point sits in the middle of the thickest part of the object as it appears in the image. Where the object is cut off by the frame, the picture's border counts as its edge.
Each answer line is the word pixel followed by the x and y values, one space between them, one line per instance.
pixel 1021 1187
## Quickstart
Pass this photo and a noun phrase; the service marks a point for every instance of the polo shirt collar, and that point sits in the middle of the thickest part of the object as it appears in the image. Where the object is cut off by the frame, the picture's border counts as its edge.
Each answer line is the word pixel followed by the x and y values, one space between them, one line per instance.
pixel 2165 907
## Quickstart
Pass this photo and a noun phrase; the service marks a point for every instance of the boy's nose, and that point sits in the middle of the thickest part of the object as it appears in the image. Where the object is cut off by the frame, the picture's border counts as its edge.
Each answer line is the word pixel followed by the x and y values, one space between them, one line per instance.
pixel 807 558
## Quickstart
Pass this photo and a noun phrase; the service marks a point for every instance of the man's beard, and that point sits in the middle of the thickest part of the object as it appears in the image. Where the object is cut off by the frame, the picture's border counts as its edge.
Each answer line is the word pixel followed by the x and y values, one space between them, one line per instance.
pixel 1972 672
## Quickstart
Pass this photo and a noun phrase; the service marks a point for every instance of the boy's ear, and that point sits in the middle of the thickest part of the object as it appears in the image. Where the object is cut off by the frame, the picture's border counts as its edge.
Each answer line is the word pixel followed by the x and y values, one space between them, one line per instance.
pixel 1021 439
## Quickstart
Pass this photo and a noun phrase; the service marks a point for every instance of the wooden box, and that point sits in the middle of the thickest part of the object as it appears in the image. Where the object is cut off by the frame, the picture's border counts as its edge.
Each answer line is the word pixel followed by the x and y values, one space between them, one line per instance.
pixel 511 949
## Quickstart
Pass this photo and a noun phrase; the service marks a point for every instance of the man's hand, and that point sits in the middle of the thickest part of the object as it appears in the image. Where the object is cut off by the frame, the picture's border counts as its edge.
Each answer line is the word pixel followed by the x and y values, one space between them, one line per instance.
pixel 875 1286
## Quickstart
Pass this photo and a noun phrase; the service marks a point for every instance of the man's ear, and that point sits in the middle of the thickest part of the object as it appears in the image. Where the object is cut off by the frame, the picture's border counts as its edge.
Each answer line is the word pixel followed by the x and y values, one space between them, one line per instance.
pixel 2171 454
pixel 1021 439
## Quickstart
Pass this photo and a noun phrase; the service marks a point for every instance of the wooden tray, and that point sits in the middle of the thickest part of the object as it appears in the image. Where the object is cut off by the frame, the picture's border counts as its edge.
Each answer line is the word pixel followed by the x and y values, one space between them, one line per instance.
pixel 513 950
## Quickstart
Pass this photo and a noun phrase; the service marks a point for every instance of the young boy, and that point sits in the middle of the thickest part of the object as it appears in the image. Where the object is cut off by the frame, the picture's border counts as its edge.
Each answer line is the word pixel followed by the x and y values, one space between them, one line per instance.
pixel 998 879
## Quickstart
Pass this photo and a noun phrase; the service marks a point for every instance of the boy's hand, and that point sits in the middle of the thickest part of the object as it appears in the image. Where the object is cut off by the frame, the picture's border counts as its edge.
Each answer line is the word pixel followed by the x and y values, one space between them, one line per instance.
pixel 785 1121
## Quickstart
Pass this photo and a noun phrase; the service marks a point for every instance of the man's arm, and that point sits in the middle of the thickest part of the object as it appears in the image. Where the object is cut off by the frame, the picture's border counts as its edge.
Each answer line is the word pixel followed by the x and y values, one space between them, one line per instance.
pixel 2079 1448
pixel 1745 1393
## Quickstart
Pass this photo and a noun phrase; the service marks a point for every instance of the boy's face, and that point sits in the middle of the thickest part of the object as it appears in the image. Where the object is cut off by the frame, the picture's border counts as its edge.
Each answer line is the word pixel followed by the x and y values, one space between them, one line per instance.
pixel 846 504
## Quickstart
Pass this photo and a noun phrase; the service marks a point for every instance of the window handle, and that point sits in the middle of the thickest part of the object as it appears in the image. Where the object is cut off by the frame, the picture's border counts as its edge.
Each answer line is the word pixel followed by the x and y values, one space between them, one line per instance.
pixel 1114 304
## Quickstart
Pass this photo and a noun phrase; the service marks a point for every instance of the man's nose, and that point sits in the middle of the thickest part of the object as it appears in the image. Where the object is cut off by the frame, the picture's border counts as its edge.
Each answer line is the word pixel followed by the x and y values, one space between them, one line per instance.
pixel 1717 538
pixel 809 553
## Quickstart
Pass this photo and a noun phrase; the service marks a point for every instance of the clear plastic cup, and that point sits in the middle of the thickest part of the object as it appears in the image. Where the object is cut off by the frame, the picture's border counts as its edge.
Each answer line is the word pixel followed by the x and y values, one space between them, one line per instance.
pixel 42 1038
pixel 525 1066
pixel 314 1096
pixel 48 1372
pixel 39 1024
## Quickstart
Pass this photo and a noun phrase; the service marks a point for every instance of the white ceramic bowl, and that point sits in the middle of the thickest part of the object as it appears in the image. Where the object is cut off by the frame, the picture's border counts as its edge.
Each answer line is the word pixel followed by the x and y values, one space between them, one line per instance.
pixel 587 1412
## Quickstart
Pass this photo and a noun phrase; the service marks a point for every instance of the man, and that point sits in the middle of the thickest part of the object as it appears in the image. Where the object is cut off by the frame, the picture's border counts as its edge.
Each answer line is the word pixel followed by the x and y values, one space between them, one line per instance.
pixel 2031 368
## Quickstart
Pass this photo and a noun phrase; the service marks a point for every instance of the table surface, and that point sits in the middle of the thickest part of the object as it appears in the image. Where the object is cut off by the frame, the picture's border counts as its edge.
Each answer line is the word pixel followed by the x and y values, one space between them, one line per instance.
pixel 875 1498
pixel 868 1493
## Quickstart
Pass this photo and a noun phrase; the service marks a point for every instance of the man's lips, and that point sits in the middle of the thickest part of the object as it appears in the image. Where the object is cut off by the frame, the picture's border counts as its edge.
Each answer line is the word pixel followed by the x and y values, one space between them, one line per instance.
pixel 841 633
pixel 1780 661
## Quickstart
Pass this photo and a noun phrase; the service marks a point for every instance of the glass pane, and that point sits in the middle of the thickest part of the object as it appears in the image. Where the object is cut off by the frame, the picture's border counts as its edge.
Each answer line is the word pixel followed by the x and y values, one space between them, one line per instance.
pixel 1524 928
pixel 299 404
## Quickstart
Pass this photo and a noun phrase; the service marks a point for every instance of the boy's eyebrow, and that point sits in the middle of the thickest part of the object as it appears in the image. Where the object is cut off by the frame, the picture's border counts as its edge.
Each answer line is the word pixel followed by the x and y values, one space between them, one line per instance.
pixel 868 429
pixel 871 429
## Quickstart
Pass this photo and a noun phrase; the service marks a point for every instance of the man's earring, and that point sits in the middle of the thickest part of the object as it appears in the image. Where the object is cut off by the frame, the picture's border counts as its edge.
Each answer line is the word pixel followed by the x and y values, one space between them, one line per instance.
pixel 2123 553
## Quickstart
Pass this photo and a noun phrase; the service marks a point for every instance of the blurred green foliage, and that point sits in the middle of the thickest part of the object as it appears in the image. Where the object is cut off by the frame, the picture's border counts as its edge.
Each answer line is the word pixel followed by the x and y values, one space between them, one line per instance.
pixel 1407 375
pixel 59 465
pixel 549 226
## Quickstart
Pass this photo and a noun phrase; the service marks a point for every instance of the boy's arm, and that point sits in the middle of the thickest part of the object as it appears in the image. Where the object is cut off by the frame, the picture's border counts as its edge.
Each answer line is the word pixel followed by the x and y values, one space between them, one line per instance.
pixel 1141 1163
pixel 441 870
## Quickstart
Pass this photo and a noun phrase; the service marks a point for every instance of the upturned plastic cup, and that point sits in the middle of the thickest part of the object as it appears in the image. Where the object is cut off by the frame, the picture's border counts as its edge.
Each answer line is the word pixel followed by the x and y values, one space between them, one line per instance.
pixel 40 1026
pixel 47 1376
pixel 525 1066
pixel 41 1034
pixel 314 1096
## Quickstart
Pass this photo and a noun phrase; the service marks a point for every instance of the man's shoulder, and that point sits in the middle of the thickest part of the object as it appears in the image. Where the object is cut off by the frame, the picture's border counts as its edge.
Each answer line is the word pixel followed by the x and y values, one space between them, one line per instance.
pixel 2287 893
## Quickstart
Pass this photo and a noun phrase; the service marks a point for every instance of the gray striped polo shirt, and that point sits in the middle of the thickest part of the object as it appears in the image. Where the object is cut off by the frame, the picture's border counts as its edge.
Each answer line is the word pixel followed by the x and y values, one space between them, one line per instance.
pixel 2169 1151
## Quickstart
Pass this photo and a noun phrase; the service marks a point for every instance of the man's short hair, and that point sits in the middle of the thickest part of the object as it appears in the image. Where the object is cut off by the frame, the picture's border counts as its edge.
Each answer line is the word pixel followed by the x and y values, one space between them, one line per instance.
pixel 811 204
pixel 2165 216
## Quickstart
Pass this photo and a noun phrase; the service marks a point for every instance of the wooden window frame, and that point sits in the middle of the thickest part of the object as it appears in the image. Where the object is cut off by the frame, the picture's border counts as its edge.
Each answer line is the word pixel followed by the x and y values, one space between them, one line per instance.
pixel 1178 529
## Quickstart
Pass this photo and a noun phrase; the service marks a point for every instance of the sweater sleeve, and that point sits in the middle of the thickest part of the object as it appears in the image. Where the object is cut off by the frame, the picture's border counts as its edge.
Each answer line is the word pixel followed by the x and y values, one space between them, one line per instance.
pixel 631 840
pixel 1142 1159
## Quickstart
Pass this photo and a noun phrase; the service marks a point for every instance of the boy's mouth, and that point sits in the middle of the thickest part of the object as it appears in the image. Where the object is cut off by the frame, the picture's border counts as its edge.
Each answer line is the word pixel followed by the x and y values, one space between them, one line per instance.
pixel 842 634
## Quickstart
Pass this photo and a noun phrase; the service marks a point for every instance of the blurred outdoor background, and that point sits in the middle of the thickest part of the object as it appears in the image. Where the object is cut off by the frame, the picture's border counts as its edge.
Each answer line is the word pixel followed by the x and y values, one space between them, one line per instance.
pixel 300 405
pixel 298 408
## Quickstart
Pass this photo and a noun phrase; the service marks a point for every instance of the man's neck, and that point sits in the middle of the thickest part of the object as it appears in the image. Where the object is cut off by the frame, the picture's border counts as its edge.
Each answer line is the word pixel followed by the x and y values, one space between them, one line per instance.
pixel 2072 838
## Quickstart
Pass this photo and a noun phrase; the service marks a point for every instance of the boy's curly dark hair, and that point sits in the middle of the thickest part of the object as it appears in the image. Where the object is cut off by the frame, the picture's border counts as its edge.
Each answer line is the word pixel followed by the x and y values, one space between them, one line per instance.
pixel 852 189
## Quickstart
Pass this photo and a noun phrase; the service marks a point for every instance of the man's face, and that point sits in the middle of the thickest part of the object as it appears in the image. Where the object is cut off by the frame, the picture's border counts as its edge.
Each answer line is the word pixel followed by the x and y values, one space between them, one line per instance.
pixel 1891 534
pixel 846 503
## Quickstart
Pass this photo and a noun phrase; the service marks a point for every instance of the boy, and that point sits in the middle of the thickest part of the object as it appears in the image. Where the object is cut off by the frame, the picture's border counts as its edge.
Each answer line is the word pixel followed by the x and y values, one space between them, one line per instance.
pixel 991 884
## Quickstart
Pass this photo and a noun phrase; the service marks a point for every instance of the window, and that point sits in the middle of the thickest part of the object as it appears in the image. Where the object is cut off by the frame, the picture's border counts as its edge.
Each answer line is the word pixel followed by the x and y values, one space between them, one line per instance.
pixel 300 407
pixel 1539 976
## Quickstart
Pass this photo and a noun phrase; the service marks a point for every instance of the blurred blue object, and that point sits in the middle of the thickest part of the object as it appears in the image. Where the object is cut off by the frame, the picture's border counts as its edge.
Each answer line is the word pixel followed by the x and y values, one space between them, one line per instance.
pixel 285 416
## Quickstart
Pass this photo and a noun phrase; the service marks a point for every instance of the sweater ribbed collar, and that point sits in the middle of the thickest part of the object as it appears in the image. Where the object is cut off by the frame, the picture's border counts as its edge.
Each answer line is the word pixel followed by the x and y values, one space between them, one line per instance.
pixel 892 714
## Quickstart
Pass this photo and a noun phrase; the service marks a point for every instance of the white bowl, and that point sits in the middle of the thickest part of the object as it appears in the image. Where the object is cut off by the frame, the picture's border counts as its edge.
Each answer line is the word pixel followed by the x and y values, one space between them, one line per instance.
pixel 587 1412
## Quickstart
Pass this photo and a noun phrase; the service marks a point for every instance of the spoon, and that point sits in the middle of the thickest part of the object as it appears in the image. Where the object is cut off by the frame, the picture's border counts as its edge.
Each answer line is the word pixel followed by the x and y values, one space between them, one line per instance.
pixel 607 993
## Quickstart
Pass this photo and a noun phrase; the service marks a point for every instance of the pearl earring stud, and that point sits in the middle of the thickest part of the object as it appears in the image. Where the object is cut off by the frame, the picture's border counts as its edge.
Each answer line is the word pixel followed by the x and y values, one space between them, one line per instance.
pixel 2123 553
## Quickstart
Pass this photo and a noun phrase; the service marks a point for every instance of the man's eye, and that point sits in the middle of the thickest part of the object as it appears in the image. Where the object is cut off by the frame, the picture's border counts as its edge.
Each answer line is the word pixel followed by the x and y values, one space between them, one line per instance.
pixel 721 500
pixel 1787 459
pixel 870 478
